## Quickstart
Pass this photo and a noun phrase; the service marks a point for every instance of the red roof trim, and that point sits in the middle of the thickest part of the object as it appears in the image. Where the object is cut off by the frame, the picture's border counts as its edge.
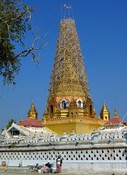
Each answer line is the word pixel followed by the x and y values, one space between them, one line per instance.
pixel 114 121
pixel 31 122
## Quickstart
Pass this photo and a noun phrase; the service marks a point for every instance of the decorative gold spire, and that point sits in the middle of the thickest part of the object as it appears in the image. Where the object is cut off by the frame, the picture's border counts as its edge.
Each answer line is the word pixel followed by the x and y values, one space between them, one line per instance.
pixel 105 114
pixel 104 107
pixel 32 112
pixel 68 75
pixel 115 113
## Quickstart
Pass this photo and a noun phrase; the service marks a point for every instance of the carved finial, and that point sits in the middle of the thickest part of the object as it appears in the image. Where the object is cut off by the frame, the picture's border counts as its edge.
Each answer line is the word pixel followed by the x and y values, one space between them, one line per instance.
pixel 104 107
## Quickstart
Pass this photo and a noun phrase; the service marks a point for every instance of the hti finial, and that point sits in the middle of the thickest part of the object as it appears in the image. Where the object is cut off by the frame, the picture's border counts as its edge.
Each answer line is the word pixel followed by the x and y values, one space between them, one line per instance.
pixel 68 11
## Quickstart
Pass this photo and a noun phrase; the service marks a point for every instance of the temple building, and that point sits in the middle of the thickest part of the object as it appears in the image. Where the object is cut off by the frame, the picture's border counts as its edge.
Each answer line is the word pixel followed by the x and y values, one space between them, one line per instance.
pixel 115 122
pixel 69 126
pixel 30 126
pixel 69 108
pixel 69 104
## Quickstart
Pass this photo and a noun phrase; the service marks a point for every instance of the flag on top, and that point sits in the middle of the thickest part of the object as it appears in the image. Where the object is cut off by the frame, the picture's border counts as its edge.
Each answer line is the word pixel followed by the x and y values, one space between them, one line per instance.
pixel 67 6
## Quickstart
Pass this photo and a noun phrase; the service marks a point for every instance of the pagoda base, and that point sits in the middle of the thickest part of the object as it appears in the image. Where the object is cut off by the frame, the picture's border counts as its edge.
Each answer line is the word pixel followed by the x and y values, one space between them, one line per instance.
pixel 76 125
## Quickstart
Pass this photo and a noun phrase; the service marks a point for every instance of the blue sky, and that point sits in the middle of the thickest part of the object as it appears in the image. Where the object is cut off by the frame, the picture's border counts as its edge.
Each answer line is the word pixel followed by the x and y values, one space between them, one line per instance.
pixel 102 30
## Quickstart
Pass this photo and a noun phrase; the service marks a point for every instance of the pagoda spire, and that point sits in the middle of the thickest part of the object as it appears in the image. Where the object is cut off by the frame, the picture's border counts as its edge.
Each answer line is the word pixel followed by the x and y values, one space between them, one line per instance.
pixel 32 112
pixel 115 113
pixel 105 114
pixel 68 76
pixel 69 96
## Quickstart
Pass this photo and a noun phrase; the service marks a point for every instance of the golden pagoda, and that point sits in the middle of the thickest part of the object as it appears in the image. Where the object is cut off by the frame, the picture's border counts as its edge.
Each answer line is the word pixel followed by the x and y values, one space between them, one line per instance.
pixel 32 112
pixel 69 104
pixel 105 114
pixel 32 115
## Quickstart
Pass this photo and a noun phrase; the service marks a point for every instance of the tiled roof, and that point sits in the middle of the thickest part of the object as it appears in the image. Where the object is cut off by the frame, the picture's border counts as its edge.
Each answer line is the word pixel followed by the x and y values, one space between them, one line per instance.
pixel 114 121
pixel 31 122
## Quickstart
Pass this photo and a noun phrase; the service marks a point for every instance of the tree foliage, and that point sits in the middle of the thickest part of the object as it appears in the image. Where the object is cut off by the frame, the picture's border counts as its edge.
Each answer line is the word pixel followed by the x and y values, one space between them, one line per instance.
pixel 14 22
pixel 11 121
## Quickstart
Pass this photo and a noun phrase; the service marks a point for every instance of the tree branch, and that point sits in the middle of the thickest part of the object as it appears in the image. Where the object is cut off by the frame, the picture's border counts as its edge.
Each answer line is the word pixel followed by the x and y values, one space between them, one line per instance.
pixel 32 49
